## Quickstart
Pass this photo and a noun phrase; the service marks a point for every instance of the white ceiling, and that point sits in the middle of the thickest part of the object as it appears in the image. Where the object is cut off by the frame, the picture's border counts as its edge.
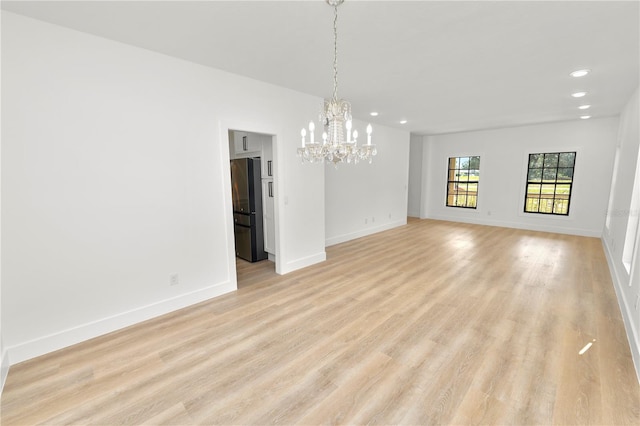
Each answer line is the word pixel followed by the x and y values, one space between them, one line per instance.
pixel 445 66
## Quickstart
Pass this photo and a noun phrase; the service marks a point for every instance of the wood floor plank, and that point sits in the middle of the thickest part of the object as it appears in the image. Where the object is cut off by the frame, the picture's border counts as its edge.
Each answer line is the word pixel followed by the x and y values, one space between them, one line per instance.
pixel 430 323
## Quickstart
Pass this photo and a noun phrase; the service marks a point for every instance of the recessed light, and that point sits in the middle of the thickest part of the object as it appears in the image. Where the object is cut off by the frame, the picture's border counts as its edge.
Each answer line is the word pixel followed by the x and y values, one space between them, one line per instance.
pixel 585 117
pixel 580 73
pixel 584 107
pixel 373 114
pixel 578 94
pixel 403 121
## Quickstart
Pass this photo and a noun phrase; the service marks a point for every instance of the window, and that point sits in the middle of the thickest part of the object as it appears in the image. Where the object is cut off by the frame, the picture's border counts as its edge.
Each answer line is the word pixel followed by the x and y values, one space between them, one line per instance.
pixel 463 177
pixel 616 164
pixel 549 182
pixel 633 223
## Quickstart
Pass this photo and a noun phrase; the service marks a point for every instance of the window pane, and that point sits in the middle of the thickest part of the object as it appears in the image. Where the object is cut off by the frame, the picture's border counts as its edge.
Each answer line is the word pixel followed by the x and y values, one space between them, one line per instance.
pixel 549 175
pixel 551 160
pixel 567 159
pixel 531 205
pixel 546 206
pixel 535 175
pixel 472 200
pixel 465 163
pixel 474 163
pixel 561 206
pixel 562 191
pixel 533 189
pixel 565 174
pixel 535 160
pixel 547 191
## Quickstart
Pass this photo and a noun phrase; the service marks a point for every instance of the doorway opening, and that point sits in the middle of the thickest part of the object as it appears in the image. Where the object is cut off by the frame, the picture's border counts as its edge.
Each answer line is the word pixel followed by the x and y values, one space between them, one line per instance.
pixel 254 202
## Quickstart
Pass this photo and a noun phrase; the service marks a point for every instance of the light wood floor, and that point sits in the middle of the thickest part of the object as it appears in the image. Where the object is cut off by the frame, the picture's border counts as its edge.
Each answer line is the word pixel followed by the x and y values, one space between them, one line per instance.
pixel 430 323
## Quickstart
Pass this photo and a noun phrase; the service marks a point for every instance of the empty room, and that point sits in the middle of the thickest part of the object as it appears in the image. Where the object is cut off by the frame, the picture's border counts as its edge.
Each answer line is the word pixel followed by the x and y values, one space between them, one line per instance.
pixel 320 212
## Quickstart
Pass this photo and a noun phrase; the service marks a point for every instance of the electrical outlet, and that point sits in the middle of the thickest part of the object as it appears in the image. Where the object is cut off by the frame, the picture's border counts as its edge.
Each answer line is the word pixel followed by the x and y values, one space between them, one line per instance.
pixel 174 279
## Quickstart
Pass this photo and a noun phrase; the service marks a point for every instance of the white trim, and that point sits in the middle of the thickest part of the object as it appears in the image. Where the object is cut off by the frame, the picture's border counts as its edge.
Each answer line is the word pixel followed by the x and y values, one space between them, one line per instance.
pixel 363 233
pixel 4 369
pixel 529 227
pixel 304 262
pixel 228 210
pixel 278 189
pixel 81 333
pixel 627 316
pixel 427 148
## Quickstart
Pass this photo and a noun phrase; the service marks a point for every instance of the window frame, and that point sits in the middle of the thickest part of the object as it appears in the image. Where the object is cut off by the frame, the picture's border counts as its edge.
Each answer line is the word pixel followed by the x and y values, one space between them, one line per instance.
pixel 555 182
pixel 455 181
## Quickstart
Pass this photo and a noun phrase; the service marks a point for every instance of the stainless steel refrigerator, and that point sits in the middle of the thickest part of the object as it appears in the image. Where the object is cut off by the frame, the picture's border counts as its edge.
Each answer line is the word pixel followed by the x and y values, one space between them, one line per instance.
pixel 246 187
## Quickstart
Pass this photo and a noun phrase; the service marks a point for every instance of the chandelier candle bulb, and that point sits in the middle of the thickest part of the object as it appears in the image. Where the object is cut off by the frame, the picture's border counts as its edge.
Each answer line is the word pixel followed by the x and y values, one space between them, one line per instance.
pixel 303 133
pixel 312 127
pixel 369 130
pixel 355 136
pixel 348 131
pixel 324 138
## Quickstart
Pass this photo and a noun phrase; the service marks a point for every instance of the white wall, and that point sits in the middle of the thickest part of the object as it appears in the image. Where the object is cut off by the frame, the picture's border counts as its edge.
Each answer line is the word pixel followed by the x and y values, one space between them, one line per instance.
pixel 115 174
pixel 415 175
pixel 4 358
pixel 366 198
pixel 503 168
pixel 627 284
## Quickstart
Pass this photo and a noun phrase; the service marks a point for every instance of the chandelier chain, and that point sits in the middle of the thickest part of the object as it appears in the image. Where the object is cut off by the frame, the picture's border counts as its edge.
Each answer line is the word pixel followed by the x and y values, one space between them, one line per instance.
pixel 335 52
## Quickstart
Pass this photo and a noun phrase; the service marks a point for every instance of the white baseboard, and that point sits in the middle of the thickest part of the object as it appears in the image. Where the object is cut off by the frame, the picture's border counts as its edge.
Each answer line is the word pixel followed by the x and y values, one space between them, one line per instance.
pixel 81 333
pixel 625 309
pixel 363 232
pixel 412 213
pixel 518 225
pixel 4 369
pixel 303 263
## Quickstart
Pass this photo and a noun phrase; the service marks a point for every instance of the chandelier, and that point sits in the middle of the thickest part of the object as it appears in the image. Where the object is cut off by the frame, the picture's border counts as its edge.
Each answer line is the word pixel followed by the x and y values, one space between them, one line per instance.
pixel 335 116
